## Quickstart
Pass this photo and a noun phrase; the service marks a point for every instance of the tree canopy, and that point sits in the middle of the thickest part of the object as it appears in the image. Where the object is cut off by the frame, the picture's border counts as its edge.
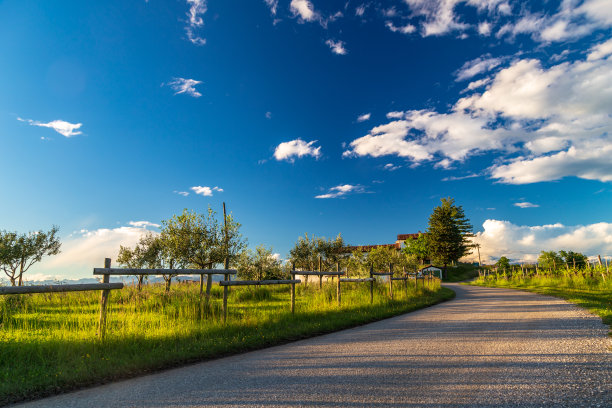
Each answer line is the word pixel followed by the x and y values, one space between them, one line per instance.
pixel 448 233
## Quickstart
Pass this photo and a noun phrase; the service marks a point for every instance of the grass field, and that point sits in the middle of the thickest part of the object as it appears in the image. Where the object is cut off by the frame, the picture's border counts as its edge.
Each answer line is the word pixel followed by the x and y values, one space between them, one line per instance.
pixel 48 343
pixel 590 293
pixel 461 272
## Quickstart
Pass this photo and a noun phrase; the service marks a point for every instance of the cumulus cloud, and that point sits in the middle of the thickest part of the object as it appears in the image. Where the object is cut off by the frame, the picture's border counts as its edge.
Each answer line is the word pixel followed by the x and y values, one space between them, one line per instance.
pixel 205 191
pixel 546 123
pixel 526 204
pixel 143 224
pixel 304 9
pixel 364 117
pixel 84 250
pixel 62 127
pixel 197 8
pixel 342 190
pixel 337 47
pixel 524 243
pixel 296 148
pixel 184 86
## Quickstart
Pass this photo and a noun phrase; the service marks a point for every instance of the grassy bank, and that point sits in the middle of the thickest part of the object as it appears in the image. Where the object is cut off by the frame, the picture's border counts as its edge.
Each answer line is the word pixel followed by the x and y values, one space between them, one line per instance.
pixel 591 293
pixel 48 343
pixel 461 272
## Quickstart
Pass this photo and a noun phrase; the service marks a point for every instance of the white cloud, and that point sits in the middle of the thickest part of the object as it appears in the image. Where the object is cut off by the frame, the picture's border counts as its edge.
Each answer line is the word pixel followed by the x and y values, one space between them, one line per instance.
pixel 273 5
pixel 143 224
pixel 205 191
pixel 477 84
pixel 391 167
pixel 476 67
pixel 546 123
pixel 268 115
pixel 304 9
pixel 296 148
pixel 524 243
pixel 359 10
pixel 62 127
pixel 342 190
pixel 600 51
pixel 183 193
pixel 85 250
pixel 484 28
pixel 364 117
pixel 395 115
pixel 525 204
pixel 405 29
pixel 184 86
pixel 337 47
pixel 456 178
pixel 197 8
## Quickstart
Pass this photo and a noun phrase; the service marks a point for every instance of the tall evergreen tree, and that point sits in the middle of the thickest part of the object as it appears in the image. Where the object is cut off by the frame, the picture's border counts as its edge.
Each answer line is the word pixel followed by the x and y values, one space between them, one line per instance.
pixel 448 233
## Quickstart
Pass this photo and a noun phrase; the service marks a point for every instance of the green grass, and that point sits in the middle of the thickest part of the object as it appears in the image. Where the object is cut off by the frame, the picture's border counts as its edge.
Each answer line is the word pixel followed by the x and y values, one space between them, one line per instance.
pixel 48 342
pixel 590 293
pixel 461 272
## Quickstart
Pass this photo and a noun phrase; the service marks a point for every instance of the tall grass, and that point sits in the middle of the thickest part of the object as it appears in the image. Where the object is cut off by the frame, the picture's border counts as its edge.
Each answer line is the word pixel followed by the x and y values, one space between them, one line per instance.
pixel 48 342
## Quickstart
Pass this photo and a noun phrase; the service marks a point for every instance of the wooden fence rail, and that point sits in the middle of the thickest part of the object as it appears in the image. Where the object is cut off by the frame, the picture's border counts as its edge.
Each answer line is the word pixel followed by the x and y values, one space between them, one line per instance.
pixel 105 287
pixel 81 287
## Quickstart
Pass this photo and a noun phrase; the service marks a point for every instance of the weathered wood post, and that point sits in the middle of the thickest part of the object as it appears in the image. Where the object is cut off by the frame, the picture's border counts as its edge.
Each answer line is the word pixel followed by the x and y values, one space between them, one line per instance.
pixel 338 294
pixel 293 289
pixel 391 280
pixel 225 288
pixel 104 301
pixel 208 285
pixel 320 276
pixel 372 284
pixel 406 280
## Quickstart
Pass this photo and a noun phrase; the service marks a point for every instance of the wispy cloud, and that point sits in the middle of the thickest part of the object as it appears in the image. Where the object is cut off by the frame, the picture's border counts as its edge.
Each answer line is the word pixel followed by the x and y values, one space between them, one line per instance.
pixel 391 167
pixel 304 9
pixel 525 204
pixel 364 117
pixel 197 8
pixel 206 191
pixel 337 47
pixel 62 127
pixel 405 29
pixel 477 66
pixel 342 190
pixel 296 148
pixel 184 86
pixel 273 5
pixel 183 193
pixel 143 224
pixel 455 178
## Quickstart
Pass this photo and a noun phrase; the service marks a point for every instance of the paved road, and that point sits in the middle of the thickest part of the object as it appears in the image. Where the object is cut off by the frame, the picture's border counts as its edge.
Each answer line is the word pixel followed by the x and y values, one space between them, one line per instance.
pixel 488 347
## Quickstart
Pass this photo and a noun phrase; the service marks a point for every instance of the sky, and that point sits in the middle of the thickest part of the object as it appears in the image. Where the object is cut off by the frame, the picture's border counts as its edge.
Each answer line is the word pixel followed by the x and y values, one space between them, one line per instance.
pixel 306 116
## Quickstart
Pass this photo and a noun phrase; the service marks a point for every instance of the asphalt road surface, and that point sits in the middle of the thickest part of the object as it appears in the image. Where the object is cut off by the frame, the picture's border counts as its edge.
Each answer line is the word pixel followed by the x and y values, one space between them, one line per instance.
pixel 488 347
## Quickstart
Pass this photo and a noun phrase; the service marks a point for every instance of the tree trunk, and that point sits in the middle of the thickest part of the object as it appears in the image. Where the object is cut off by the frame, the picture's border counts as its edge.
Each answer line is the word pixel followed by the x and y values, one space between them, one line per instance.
pixel 12 281
pixel 168 282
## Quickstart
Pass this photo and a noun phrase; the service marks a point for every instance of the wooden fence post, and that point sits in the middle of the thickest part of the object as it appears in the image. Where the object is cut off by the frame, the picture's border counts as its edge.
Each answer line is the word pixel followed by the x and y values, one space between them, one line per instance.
pixel 406 281
pixel 104 301
pixel 293 289
pixel 320 276
pixel 338 294
pixel 371 284
pixel 391 280
pixel 225 288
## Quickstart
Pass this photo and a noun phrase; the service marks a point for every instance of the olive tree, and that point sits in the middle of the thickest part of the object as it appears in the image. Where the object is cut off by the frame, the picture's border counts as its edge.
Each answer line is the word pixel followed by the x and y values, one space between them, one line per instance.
pixel 18 252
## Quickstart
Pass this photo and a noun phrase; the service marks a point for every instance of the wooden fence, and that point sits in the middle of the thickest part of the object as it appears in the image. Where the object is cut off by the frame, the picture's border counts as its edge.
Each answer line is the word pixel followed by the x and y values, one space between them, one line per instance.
pixel 105 287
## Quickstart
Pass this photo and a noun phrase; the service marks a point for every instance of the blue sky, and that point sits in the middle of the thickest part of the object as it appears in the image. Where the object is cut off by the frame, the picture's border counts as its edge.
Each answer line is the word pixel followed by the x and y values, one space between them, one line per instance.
pixel 307 116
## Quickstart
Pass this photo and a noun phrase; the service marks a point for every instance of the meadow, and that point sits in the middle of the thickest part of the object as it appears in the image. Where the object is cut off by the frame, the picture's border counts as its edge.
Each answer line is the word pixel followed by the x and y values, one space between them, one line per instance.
pixel 48 342
pixel 589 289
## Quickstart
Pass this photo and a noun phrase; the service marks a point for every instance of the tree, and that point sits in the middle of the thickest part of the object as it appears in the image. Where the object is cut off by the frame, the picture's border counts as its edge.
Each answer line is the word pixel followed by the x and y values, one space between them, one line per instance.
pixel 550 260
pixel 198 240
pixel 448 233
pixel 260 264
pixel 575 259
pixel 18 252
pixel 418 248
pixel 503 263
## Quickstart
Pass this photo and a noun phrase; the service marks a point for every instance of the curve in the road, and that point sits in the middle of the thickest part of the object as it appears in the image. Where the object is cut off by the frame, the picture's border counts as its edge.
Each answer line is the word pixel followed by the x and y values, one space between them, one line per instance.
pixel 487 347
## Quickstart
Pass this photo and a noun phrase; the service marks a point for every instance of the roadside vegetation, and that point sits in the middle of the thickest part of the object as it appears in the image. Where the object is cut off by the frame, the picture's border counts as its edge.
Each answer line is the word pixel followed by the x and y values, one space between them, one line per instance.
pixel 565 274
pixel 48 342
